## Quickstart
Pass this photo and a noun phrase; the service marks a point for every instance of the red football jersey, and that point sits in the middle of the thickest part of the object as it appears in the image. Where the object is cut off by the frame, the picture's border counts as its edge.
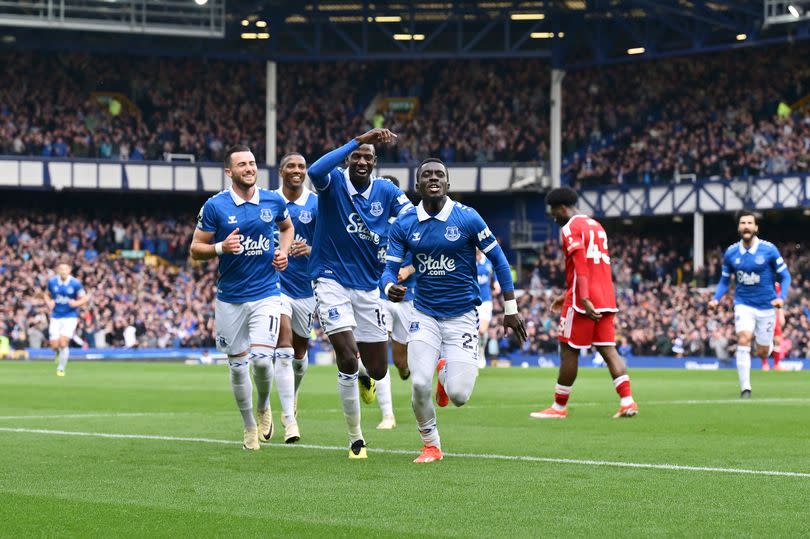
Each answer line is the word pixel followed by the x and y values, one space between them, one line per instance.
pixel 582 232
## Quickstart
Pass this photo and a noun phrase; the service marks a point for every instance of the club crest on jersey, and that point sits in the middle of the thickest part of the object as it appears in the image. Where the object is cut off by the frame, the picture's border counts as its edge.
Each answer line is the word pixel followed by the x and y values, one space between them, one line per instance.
pixel 305 216
pixel 416 236
pixel 376 209
pixel 737 260
pixel 332 313
pixel 266 215
pixel 222 342
pixel 414 327
pixel 759 259
pixel 452 233
pixel 231 219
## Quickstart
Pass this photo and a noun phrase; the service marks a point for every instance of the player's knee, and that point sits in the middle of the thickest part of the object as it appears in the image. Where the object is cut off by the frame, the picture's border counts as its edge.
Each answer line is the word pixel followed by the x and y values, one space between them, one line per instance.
pixel 238 367
pixel 421 386
pixel 377 372
pixel 459 395
pixel 262 358
pixel 743 339
pixel 300 365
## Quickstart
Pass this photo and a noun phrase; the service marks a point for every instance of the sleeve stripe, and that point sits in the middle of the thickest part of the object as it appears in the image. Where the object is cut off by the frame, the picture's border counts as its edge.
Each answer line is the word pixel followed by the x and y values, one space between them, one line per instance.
pixel 391 258
pixel 726 274
pixel 781 268
pixel 491 247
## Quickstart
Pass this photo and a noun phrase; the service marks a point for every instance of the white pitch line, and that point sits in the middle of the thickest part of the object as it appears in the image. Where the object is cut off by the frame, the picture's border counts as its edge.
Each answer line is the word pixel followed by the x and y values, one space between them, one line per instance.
pixel 483 456
pixel 745 402
pixel 94 414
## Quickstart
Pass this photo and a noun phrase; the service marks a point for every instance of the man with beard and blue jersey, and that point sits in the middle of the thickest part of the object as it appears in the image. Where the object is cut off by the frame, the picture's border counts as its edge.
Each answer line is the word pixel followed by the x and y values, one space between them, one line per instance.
pixel 755 265
pixel 442 235
pixel 353 212
pixel 237 226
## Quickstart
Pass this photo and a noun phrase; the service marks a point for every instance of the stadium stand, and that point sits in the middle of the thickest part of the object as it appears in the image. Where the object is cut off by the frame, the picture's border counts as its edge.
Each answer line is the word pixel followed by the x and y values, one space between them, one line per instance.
pixel 639 123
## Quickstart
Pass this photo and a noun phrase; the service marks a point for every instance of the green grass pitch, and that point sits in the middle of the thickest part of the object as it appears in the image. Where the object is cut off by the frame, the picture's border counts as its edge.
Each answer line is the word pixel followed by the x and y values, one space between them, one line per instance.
pixel 148 484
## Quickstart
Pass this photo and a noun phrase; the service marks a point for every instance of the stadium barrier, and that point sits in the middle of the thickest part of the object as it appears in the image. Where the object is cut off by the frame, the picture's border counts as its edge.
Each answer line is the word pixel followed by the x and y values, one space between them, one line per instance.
pixel 319 355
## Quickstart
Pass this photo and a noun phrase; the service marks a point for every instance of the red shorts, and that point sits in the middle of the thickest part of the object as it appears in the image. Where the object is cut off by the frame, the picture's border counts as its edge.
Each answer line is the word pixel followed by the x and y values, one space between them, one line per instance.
pixel 579 331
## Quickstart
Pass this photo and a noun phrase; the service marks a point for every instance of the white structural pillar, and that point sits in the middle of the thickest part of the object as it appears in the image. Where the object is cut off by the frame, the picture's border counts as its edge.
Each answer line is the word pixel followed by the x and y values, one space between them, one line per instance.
pixel 697 243
pixel 270 115
pixel 557 76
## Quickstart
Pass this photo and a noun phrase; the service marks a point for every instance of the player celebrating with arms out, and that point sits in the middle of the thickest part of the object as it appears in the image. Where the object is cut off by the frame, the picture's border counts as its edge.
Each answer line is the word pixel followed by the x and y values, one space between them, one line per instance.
pixel 755 264
pixel 353 212
pixel 67 295
pixel 443 236
pixel 237 226
pixel 588 305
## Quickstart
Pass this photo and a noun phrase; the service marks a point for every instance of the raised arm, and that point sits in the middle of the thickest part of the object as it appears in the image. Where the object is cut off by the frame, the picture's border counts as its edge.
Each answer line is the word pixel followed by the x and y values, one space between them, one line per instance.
pixel 319 170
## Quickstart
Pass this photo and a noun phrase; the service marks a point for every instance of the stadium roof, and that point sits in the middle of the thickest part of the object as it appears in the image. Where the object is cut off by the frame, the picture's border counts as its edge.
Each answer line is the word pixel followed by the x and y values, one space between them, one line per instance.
pixel 571 33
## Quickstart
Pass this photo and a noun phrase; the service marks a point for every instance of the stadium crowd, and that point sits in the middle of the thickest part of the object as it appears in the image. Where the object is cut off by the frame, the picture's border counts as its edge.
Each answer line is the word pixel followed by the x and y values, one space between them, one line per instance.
pixel 641 122
pixel 166 301
pixel 662 303
pixel 81 105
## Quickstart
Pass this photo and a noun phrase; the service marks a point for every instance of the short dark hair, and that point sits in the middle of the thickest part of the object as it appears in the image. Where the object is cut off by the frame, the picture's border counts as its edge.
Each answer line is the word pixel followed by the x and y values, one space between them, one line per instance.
pixel 745 213
pixel 392 179
pixel 562 196
pixel 287 156
pixel 236 148
pixel 431 160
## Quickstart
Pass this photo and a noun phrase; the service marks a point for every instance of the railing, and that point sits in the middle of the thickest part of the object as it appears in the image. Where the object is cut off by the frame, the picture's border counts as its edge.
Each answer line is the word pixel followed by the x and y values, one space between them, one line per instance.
pixel 58 174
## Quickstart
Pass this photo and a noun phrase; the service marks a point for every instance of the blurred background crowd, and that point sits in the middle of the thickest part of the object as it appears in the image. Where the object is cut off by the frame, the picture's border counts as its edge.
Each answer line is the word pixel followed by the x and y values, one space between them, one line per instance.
pixel 146 301
pixel 726 116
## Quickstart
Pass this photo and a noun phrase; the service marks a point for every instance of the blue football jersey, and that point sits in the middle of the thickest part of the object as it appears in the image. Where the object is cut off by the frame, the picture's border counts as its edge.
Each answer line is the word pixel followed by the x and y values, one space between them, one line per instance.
pixel 62 293
pixel 444 255
pixel 351 226
pixel 485 271
pixel 295 281
pixel 248 275
pixel 755 271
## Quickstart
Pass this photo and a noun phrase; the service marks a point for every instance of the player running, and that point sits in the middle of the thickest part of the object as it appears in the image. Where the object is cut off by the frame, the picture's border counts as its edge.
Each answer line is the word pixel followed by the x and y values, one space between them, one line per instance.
pixel 588 305
pixel 353 212
pixel 442 235
pixel 237 226
pixel 297 301
pixel 488 286
pixel 66 296
pixel 755 264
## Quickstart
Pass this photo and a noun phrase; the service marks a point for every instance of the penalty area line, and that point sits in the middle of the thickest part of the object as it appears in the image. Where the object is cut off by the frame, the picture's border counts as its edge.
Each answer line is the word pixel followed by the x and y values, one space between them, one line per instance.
pixel 481 456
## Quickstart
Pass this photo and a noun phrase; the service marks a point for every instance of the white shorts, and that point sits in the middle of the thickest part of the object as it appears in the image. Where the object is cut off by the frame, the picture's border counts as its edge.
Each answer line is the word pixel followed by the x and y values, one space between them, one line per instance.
pixel 341 308
pixel 62 327
pixel 760 322
pixel 240 325
pixel 299 310
pixel 455 338
pixel 484 310
pixel 398 319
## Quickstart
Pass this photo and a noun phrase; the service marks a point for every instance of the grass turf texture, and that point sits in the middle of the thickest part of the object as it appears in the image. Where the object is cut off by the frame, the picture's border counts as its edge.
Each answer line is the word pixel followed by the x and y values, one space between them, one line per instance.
pixel 55 484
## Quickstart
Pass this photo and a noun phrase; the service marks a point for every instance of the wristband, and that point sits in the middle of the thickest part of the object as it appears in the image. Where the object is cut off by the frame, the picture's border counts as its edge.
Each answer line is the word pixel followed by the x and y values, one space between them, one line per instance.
pixel 218 249
pixel 510 307
pixel 387 288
